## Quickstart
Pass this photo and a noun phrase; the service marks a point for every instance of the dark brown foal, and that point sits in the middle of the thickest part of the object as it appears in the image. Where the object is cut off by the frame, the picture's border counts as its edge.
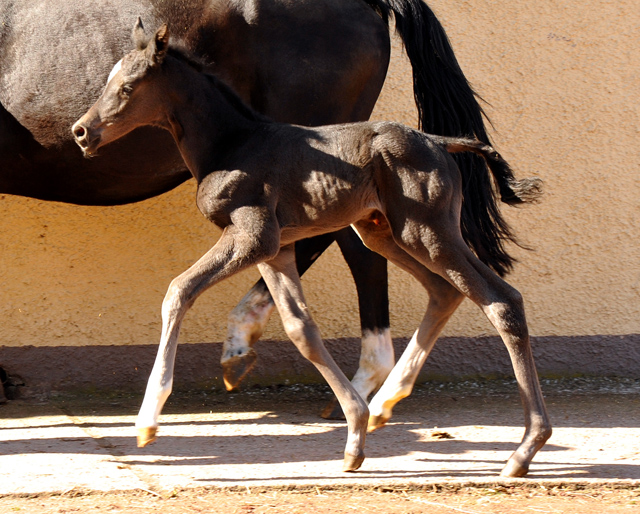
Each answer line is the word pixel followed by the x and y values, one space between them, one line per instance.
pixel 268 185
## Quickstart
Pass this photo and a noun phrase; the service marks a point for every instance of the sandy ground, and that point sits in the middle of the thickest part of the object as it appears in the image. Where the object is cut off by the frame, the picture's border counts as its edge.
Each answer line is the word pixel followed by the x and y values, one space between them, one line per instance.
pixel 471 500
pixel 443 440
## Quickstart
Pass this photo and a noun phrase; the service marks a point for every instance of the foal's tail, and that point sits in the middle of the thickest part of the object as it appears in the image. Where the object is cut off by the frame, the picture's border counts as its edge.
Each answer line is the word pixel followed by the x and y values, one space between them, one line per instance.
pixel 512 190
pixel 447 106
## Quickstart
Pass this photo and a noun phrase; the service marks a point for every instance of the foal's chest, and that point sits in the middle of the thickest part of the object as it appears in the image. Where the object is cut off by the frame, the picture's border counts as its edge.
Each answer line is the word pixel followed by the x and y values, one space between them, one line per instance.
pixel 220 192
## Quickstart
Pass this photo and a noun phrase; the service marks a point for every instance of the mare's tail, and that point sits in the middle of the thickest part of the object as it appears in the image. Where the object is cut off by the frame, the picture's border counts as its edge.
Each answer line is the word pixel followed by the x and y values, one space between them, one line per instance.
pixel 512 190
pixel 447 106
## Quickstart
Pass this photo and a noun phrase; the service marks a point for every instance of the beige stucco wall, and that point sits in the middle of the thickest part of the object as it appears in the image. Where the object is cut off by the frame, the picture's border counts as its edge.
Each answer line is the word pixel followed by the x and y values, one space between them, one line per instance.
pixel 563 83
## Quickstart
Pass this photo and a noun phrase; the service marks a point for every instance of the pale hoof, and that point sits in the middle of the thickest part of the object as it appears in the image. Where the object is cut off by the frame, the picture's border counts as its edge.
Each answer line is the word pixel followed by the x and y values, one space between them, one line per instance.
pixel 146 436
pixel 333 411
pixel 376 422
pixel 352 462
pixel 238 367
pixel 514 469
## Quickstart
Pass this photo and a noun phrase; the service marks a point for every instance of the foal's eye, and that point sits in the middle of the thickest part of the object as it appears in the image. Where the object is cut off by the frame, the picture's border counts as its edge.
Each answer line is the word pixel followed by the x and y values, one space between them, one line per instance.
pixel 126 90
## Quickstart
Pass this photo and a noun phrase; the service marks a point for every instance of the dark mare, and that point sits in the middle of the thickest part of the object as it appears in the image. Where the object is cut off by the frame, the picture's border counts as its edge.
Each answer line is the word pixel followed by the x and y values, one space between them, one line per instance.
pixel 268 184
pixel 308 62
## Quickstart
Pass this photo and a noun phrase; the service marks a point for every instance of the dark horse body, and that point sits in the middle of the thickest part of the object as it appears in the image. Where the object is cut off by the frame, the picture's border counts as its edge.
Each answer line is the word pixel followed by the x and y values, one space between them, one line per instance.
pixel 51 75
pixel 308 62
pixel 268 184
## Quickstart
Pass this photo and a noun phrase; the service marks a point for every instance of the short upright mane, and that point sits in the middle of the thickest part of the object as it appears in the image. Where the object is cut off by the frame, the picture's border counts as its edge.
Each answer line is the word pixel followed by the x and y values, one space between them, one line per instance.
pixel 177 52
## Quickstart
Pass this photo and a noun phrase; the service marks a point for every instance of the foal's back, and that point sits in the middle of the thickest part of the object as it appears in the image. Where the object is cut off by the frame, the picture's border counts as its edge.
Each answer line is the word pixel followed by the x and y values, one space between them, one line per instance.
pixel 317 180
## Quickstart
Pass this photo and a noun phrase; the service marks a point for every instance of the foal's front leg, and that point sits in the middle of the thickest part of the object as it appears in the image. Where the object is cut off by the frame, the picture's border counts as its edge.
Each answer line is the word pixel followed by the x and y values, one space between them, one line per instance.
pixel 283 281
pixel 249 318
pixel 230 255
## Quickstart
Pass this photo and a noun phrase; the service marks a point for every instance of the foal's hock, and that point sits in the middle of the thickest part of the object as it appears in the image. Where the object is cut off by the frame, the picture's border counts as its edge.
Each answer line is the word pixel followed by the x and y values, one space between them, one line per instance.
pixel 269 184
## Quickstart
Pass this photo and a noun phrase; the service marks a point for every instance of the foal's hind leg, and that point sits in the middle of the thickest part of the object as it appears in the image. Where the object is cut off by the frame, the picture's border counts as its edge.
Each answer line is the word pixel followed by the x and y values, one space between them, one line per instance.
pixel 369 271
pixel 283 281
pixel 504 307
pixel 444 299
pixel 439 245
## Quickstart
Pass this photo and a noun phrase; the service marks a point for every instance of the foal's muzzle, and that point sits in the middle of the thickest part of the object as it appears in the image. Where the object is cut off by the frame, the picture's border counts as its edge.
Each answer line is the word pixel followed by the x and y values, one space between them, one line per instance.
pixel 81 135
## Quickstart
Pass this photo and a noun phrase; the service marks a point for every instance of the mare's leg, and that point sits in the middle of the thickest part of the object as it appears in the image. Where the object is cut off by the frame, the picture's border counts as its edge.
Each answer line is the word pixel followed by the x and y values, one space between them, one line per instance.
pixel 369 271
pixel 433 238
pixel 283 281
pixel 249 318
pixel 230 255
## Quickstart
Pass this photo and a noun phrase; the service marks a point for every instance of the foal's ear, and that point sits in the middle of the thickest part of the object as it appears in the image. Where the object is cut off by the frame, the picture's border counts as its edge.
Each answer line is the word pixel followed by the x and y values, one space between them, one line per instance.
pixel 160 44
pixel 138 35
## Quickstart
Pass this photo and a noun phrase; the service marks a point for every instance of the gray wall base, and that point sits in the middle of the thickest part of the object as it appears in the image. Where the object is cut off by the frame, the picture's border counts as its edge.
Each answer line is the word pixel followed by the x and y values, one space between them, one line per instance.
pixel 126 368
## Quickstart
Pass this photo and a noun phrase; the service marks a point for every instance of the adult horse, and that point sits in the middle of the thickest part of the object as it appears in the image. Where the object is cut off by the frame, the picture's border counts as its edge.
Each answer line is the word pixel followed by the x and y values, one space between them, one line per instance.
pixel 53 68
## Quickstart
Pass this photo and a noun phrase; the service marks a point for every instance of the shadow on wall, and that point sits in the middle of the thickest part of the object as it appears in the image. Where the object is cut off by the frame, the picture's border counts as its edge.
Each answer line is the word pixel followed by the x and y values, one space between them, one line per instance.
pixel 126 368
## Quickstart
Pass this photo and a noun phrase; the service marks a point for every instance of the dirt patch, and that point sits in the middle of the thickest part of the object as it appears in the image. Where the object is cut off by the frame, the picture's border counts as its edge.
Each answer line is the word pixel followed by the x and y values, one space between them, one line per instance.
pixel 574 500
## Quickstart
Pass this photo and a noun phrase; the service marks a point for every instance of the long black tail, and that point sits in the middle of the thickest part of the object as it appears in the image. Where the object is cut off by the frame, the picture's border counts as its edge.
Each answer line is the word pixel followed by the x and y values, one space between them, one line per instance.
pixel 447 106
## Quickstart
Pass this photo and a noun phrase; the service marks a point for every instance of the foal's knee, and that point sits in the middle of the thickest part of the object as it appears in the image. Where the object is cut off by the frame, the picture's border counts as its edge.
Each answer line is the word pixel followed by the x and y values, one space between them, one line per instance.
pixel 303 333
pixel 174 300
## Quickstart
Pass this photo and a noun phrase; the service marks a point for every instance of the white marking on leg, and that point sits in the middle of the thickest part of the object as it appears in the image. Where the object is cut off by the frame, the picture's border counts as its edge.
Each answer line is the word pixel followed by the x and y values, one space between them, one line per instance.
pixel 376 361
pixel 160 380
pixel 246 324
pixel 158 390
pixel 400 381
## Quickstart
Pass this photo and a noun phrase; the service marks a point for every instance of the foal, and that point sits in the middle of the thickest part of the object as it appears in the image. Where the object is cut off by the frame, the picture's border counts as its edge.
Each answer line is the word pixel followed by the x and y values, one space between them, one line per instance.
pixel 270 184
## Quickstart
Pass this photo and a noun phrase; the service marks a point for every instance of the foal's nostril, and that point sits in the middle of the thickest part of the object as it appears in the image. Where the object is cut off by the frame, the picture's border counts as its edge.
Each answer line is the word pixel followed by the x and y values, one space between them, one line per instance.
pixel 80 133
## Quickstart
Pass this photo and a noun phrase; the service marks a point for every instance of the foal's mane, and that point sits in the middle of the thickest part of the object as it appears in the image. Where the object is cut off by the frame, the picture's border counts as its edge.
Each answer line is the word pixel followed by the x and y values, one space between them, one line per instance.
pixel 178 52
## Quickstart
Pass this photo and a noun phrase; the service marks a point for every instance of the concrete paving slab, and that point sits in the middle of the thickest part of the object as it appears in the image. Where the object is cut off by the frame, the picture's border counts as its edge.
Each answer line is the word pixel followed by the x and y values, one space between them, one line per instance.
pixel 451 433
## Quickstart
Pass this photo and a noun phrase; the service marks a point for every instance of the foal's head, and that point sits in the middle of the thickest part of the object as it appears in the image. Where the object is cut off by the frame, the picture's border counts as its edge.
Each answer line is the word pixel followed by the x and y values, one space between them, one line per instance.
pixel 130 98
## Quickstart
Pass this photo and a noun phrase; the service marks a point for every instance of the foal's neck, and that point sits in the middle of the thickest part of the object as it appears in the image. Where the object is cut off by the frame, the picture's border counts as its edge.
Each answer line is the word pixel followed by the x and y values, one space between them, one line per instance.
pixel 206 118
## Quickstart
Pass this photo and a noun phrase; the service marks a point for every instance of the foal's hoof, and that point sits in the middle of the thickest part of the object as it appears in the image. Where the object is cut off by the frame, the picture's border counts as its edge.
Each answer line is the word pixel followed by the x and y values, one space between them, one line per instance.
pixel 333 411
pixel 376 422
pixel 146 436
pixel 514 469
pixel 352 462
pixel 238 367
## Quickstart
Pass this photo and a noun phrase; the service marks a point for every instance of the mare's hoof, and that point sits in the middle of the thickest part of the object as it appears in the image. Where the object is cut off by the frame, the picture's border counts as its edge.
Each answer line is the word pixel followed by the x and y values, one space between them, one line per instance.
pixel 333 411
pixel 376 422
pixel 238 367
pixel 352 462
pixel 9 385
pixel 146 436
pixel 514 469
